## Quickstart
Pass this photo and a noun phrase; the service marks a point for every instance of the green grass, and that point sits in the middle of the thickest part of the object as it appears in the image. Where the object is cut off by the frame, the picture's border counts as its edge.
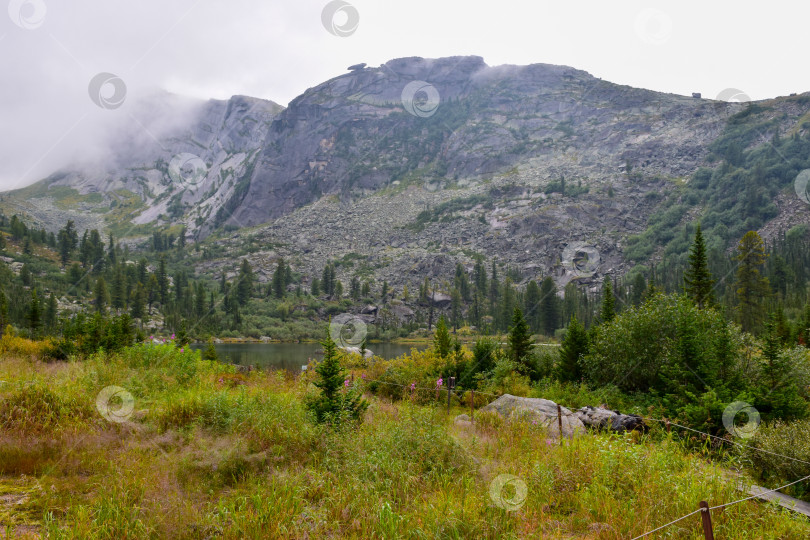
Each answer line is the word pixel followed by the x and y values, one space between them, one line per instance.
pixel 210 453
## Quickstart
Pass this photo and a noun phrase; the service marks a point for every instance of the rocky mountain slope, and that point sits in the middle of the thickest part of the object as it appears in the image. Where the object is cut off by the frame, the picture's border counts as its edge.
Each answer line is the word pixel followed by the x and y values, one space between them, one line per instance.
pixel 410 166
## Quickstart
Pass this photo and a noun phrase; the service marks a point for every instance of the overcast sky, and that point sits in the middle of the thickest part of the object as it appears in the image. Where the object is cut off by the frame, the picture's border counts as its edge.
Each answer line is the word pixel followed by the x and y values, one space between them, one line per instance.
pixel 50 51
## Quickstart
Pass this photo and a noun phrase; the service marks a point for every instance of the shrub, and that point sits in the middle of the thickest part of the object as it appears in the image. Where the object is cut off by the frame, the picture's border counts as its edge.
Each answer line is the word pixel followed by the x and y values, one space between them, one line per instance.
pixel 790 439
pixel 670 348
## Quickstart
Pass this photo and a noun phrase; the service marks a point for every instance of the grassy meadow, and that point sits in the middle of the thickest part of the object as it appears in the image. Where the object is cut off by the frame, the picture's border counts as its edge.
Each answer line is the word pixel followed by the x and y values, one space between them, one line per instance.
pixel 201 451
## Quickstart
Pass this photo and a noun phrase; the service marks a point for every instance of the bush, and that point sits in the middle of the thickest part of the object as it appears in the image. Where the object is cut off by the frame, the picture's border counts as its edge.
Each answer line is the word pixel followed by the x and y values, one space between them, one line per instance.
pixel 12 344
pixel 788 439
pixel 667 346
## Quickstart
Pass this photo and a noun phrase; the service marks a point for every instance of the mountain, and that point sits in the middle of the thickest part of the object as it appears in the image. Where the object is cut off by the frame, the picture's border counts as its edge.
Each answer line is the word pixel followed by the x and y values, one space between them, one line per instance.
pixel 404 169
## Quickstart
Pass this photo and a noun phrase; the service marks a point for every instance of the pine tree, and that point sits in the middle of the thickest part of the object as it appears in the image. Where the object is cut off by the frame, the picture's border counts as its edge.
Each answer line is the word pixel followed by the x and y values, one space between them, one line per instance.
pixel 338 289
pixel 461 282
pixel 137 302
pixel 244 285
pixel 532 306
pixel 315 287
pixel 51 309
pixel 280 279
pixel 751 287
pixel 779 394
pixel 608 312
pixel 508 301
pixel 384 292
pixel 333 406
pixel 100 295
pixel 549 307
pixel 354 289
pixel 162 282
pixel 637 289
pixel 494 285
pixel 697 278
pixel 520 338
pixel 574 347
pixel 210 352
pixel 455 309
pixel 34 313
pixel 442 344
pixel 480 276
pixel 118 289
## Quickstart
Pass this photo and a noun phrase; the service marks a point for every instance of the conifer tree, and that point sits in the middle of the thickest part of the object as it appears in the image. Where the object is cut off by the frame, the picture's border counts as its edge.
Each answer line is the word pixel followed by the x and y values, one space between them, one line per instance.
pixel 532 306
pixel 520 338
pixel 549 307
pixel 455 309
pixel 334 404
pixel 697 279
pixel 34 313
pixel 574 346
pixel 751 287
pixel 608 312
pixel 51 309
pixel 442 344
pixel 162 282
pixel 210 352
pixel 779 394
pixel 280 279
pixel 100 294
pixel 244 285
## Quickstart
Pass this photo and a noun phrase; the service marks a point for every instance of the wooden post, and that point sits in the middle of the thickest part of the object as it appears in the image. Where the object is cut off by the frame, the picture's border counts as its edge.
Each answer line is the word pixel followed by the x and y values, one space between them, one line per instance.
pixel 707 520
pixel 559 422
pixel 472 404
pixel 669 427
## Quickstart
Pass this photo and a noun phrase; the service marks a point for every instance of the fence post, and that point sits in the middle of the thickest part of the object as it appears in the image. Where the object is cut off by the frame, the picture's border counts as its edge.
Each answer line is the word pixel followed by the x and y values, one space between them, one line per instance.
pixel 472 404
pixel 559 422
pixel 707 520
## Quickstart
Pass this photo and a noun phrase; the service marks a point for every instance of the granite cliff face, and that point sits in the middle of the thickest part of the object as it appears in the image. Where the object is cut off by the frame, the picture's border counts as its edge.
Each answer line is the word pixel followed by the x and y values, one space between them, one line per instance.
pixel 354 135
pixel 409 167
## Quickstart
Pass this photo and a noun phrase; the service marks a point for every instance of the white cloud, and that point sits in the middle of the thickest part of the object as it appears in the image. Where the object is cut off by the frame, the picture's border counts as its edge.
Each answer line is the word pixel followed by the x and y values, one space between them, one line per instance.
pixel 275 50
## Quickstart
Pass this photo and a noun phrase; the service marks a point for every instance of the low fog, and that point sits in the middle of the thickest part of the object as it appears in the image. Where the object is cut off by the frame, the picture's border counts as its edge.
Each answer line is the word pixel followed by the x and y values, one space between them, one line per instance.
pixel 51 51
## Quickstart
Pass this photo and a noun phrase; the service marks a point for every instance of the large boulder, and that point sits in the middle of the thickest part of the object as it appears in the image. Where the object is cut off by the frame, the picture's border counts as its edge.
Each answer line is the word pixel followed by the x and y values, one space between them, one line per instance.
pixel 537 409
pixel 356 350
pixel 605 419
pixel 441 300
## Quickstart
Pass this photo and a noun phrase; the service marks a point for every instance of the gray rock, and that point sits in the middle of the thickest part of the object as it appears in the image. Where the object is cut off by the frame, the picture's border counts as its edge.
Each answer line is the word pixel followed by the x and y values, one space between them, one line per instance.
pixel 356 350
pixel 539 410
pixel 369 310
pixel 605 419
pixel 441 300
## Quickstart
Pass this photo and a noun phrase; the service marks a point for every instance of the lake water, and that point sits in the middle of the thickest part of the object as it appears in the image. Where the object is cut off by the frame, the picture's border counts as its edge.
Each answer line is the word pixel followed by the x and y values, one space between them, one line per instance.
pixel 291 356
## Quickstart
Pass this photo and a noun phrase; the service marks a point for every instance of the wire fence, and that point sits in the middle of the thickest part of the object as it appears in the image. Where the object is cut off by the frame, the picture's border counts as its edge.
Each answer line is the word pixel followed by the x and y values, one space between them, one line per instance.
pixel 441 387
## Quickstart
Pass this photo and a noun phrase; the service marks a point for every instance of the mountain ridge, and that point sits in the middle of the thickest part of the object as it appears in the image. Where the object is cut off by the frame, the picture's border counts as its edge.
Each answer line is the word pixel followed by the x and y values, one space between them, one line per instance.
pixel 477 158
